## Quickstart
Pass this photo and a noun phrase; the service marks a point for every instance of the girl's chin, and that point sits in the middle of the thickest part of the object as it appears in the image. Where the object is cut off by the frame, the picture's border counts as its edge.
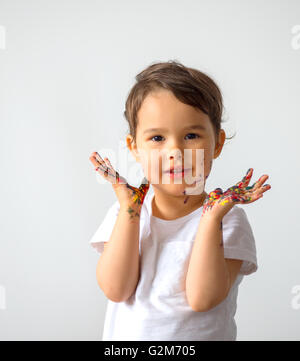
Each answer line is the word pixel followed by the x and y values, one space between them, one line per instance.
pixel 179 183
pixel 182 189
pixel 175 189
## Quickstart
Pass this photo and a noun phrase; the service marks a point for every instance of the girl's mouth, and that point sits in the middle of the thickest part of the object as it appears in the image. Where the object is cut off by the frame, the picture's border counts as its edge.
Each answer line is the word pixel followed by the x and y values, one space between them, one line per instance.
pixel 173 173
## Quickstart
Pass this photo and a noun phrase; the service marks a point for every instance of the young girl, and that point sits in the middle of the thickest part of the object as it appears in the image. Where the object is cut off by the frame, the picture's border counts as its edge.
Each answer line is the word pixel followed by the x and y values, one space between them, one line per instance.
pixel 171 261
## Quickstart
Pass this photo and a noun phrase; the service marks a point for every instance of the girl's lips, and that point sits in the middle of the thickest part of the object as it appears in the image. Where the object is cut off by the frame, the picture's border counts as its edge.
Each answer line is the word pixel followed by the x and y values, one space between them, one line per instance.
pixel 177 174
pixel 171 171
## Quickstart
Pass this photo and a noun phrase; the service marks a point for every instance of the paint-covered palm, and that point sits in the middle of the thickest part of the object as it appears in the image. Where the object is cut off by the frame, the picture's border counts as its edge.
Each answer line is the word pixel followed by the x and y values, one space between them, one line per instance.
pixel 218 203
pixel 127 195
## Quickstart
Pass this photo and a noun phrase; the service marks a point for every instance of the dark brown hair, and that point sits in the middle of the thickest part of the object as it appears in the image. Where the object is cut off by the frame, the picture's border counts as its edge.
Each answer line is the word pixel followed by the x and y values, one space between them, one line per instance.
pixel 190 86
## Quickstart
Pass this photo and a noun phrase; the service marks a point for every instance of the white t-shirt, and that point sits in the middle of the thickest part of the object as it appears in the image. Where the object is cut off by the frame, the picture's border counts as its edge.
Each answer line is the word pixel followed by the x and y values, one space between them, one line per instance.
pixel 158 310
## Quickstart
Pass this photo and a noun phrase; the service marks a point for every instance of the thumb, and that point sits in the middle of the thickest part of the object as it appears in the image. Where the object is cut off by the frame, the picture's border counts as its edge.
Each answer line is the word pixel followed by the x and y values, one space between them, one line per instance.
pixel 144 181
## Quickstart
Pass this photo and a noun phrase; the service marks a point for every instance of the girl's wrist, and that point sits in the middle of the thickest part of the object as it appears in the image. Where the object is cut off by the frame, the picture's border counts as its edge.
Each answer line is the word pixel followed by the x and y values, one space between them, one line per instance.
pixel 131 205
pixel 132 210
pixel 206 217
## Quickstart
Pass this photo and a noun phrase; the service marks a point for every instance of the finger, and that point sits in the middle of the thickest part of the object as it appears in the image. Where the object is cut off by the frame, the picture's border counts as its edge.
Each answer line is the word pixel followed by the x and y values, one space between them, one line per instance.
pixel 102 162
pixel 105 171
pixel 145 181
pixel 257 194
pixel 93 159
pixel 106 164
pixel 264 188
pixel 106 160
pixel 216 193
pixel 98 157
pixel 97 160
pixel 251 198
pixel 145 184
pixel 257 185
pixel 118 179
pixel 245 181
pixel 110 167
pixel 103 168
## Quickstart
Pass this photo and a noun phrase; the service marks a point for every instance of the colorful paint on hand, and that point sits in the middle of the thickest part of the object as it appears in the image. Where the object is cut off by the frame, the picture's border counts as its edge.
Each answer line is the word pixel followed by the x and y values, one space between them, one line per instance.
pixel 239 193
pixel 138 196
pixel 106 169
pixel 139 193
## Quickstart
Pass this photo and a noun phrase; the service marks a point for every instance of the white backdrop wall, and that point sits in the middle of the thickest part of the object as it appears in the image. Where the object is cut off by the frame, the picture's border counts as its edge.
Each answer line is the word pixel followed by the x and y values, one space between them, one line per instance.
pixel 66 68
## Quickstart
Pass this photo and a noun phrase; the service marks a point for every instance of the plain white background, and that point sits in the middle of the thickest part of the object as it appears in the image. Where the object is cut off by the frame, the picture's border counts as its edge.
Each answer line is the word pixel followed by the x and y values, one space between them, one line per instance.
pixel 65 73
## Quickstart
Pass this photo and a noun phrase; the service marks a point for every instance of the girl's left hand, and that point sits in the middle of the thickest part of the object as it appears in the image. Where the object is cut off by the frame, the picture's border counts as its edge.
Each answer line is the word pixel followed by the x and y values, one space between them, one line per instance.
pixel 217 203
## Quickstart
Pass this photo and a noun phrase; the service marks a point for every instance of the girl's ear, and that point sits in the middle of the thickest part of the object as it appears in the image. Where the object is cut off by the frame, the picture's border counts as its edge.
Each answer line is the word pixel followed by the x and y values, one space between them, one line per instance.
pixel 131 145
pixel 220 143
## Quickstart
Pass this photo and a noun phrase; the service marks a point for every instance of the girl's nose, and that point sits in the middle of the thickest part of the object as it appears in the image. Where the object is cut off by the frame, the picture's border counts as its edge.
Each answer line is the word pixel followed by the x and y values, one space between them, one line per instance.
pixel 175 154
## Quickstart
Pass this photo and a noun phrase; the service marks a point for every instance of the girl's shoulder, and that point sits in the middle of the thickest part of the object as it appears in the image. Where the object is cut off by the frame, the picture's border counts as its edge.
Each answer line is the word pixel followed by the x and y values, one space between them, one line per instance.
pixel 237 215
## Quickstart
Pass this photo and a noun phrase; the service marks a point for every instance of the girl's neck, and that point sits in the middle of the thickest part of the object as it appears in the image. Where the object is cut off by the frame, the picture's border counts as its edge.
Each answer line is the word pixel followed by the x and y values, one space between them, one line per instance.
pixel 168 207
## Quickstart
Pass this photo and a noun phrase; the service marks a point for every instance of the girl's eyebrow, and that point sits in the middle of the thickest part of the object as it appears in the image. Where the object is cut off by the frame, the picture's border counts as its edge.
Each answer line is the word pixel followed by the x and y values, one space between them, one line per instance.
pixel 196 126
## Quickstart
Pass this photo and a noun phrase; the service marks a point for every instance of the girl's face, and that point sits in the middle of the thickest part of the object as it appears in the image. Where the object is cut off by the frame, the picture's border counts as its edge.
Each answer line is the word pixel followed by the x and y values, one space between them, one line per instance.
pixel 166 127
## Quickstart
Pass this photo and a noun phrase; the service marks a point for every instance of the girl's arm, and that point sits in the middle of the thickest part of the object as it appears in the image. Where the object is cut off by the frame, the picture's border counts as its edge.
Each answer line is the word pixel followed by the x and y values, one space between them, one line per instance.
pixel 208 278
pixel 118 266
pixel 210 275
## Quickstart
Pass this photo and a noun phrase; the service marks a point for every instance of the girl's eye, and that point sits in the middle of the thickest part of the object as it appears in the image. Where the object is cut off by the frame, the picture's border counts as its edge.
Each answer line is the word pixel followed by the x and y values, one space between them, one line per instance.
pixel 194 136
pixel 156 136
pixel 197 136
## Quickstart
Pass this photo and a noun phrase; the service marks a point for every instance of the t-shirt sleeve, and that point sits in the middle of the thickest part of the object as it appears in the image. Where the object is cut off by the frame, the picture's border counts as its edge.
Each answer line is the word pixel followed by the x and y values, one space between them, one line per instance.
pixel 105 229
pixel 238 239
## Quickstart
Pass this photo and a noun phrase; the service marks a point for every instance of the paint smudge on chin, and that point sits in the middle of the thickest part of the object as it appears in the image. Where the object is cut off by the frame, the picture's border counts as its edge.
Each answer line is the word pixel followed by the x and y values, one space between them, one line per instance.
pixel 186 199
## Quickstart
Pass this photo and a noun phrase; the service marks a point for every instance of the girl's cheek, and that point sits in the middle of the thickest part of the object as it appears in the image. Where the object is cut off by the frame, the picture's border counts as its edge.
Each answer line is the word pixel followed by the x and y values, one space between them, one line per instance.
pixel 208 162
pixel 151 170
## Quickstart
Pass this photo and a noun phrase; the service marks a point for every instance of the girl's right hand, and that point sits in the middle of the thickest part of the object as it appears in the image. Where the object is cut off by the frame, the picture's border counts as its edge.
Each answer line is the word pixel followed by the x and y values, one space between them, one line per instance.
pixel 126 194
